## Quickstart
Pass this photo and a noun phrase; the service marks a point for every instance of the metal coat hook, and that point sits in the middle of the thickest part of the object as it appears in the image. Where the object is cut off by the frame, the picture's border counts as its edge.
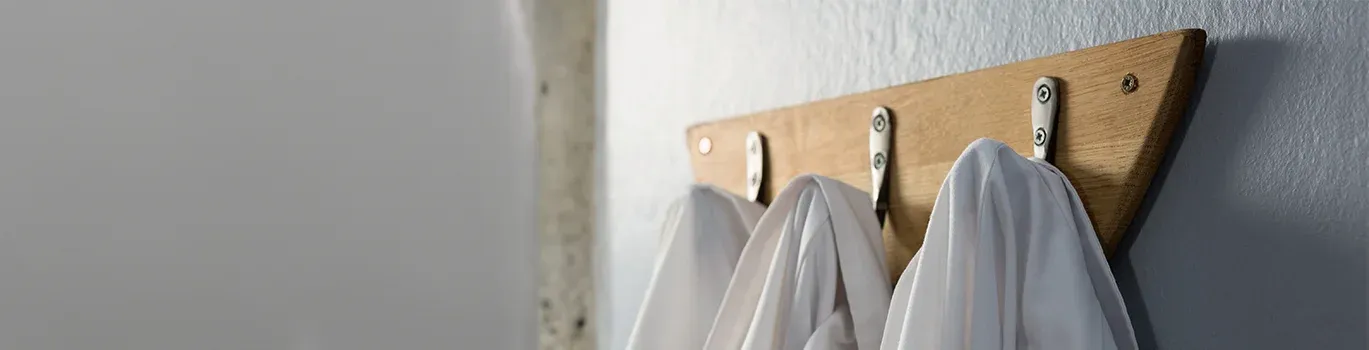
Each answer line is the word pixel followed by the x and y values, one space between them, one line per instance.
pixel 880 125
pixel 755 165
pixel 1045 106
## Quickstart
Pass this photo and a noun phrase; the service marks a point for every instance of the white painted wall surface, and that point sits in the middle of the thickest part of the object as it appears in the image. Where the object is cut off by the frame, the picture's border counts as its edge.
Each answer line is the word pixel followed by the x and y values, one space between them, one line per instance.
pixel 265 174
pixel 1255 236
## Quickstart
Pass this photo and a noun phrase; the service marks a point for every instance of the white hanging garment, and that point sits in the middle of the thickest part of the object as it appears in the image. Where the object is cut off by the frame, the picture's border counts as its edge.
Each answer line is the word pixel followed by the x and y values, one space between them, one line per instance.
pixel 812 276
pixel 1009 261
pixel 701 239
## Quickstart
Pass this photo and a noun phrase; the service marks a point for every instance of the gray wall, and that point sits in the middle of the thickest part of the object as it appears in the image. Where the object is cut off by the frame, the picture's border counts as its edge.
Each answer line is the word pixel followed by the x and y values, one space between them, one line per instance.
pixel 1255 235
pixel 264 174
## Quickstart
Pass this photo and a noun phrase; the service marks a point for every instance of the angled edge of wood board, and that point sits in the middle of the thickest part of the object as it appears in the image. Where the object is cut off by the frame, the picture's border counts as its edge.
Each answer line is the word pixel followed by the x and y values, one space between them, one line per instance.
pixel 1109 142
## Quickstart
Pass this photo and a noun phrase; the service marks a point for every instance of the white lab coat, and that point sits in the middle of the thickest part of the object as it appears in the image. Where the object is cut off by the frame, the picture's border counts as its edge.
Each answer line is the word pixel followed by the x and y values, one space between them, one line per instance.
pixel 1010 261
pixel 812 276
pixel 701 239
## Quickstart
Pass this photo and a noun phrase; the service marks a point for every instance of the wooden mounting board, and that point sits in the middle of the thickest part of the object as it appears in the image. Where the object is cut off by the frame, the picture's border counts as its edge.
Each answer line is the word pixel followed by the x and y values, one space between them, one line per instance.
pixel 1108 142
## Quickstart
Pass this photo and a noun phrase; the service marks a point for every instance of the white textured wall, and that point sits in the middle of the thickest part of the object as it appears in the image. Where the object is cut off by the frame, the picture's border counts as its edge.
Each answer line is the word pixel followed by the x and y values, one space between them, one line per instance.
pixel 266 174
pixel 1256 235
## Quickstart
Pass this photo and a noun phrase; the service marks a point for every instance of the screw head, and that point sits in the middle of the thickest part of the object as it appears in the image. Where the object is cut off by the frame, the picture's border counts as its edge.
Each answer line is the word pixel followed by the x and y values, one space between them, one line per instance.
pixel 705 145
pixel 879 123
pixel 1039 137
pixel 879 160
pixel 755 179
pixel 1129 84
pixel 1043 93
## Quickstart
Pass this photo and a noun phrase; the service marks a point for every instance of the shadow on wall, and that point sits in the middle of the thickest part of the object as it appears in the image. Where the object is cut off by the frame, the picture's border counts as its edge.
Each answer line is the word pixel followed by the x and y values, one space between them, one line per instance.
pixel 1208 274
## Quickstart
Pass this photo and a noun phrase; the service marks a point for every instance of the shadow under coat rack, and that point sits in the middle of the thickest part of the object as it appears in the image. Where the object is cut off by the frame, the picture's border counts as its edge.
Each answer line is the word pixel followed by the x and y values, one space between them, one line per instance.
pixel 1118 106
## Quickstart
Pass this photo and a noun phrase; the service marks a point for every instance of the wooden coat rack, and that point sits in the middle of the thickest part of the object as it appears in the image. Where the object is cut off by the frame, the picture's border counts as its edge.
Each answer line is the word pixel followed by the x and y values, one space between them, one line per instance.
pixel 1118 107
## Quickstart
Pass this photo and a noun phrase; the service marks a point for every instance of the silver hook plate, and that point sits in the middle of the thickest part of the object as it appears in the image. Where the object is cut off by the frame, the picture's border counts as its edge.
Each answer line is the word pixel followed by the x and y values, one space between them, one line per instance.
pixel 755 165
pixel 880 131
pixel 1045 106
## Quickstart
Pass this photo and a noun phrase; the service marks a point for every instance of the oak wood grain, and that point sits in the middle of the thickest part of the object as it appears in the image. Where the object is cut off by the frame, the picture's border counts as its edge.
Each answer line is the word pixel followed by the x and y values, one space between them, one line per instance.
pixel 1108 142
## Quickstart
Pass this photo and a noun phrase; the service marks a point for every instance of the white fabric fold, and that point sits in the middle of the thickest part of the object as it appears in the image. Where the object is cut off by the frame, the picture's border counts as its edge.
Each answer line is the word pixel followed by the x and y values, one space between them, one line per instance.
pixel 1009 261
pixel 812 275
pixel 700 242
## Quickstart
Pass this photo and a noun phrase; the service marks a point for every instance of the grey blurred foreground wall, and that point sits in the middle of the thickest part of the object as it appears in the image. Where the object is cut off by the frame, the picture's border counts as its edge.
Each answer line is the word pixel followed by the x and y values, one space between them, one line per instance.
pixel 262 174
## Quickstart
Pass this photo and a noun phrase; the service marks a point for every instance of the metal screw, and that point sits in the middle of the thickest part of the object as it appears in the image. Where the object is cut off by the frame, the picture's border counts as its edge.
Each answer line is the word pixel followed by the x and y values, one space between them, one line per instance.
pixel 1043 93
pixel 755 179
pixel 1040 137
pixel 1129 84
pixel 879 161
